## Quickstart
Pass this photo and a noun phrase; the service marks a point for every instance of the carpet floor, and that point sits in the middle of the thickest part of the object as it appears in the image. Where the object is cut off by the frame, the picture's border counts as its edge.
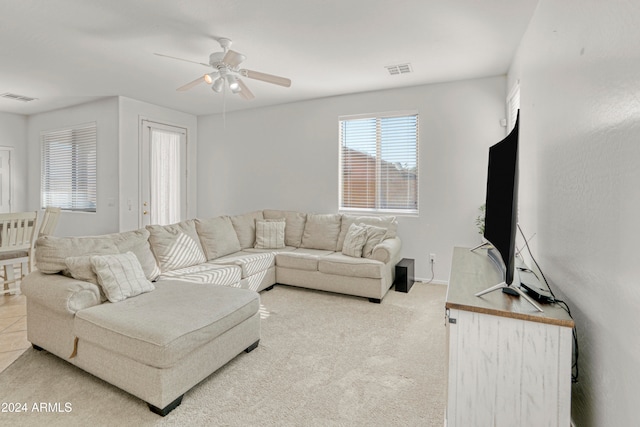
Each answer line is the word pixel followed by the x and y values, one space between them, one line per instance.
pixel 324 360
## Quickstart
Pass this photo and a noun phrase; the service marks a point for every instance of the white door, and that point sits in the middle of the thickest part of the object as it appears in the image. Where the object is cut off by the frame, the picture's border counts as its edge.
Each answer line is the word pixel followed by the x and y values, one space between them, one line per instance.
pixel 163 174
pixel 5 180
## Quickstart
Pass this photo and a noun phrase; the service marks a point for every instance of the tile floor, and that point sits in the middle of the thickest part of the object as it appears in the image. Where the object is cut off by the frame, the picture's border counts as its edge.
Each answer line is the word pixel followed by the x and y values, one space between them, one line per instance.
pixel 13 328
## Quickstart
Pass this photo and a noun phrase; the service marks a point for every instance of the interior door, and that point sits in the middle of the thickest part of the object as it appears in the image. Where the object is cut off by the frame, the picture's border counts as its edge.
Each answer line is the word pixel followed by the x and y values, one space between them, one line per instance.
pixel 163 158
pixel 5 180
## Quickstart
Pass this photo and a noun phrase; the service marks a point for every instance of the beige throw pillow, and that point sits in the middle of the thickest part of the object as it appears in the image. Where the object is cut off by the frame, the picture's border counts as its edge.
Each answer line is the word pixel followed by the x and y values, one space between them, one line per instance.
pixel 270 234
pixel 375 235
pixel 354 241
pixel 120 276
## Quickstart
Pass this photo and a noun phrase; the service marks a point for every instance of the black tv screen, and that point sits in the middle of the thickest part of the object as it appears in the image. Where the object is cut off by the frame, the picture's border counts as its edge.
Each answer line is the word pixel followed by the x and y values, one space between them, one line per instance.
pixel 502 200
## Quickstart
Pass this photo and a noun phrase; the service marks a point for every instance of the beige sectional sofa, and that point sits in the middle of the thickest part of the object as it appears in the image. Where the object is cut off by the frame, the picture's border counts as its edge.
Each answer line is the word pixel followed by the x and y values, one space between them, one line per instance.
pixel 139 309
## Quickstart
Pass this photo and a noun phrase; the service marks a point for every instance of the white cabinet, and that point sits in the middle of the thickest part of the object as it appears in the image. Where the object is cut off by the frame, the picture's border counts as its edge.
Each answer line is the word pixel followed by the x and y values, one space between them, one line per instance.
pixel 508 365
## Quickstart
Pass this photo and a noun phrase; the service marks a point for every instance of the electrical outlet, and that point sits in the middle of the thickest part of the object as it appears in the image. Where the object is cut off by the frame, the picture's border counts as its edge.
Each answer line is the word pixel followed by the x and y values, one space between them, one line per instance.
pixel 432 258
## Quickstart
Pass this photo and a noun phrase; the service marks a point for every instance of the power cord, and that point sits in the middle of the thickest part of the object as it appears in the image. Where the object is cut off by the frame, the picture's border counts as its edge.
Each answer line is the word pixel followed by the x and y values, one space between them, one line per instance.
pixel 432 273
pixel 561 303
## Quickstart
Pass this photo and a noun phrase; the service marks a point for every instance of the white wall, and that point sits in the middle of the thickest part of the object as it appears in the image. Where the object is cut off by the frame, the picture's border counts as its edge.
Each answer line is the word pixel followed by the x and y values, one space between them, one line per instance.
pixel 105 113
pixel 579 71
pixel 131 112
pixel 286 157
pixel 13 133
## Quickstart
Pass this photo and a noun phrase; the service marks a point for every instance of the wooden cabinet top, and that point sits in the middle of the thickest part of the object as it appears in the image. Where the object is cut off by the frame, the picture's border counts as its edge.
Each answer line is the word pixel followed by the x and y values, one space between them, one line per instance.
pixel 472 272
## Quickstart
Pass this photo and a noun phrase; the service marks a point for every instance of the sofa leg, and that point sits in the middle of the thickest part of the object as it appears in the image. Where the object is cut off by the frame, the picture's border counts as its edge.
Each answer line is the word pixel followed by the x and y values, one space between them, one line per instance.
pixel 375 300
pixel 270 287
pixel 37 347
pixel 170 407
pixel 252 347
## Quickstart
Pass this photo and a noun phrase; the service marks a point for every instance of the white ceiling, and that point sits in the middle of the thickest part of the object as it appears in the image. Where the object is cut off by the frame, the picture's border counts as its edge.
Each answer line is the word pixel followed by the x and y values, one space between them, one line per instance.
pixel 66 52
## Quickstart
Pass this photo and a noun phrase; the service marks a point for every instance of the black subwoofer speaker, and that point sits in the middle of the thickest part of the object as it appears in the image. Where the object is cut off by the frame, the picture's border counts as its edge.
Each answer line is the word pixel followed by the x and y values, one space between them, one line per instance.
pixel 404 275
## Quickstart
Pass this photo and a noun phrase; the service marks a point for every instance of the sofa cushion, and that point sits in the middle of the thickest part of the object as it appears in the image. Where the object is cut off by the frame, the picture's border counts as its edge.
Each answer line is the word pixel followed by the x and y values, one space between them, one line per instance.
pixel 159 328
pixel 225 275
pixel 343 265
pixel 120 276
pixel 375 235
pixel 245 226
pixel 137 241
pixel 270 233
pixel 51 251
pixel 388 222
pixel 295 225
pixel 321 231
pixel 217 236
pixel 79 267
pixel 354 241
pixel 250 263
pixel 297 261
pixel 176 245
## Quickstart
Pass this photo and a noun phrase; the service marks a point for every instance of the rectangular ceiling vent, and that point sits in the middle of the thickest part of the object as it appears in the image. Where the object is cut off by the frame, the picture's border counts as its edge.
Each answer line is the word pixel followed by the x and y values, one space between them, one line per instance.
pixel 394 70
pixel 16 97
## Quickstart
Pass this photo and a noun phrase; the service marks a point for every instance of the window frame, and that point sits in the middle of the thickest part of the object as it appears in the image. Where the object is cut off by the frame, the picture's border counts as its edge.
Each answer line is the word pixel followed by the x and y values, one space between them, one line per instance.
pixel 379 144
pixel 87 186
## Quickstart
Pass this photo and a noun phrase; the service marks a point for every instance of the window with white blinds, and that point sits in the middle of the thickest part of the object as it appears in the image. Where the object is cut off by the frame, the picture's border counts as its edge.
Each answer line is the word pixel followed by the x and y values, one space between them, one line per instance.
pixel 379 163
pixel 69 168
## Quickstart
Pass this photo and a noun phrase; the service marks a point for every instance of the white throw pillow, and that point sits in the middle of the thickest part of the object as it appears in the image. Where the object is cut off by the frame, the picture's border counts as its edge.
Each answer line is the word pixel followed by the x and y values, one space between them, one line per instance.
pixel 120 276
pixel 375 235
pixel 354 241
pixel 270 233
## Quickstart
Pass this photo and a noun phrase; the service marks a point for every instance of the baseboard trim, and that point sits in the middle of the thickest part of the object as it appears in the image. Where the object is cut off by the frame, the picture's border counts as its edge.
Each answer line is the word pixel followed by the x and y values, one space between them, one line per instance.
pixel 432 282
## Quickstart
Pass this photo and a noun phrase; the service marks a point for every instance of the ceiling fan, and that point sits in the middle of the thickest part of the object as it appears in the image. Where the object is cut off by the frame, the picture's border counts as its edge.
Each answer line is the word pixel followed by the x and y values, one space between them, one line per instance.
pixel 225 70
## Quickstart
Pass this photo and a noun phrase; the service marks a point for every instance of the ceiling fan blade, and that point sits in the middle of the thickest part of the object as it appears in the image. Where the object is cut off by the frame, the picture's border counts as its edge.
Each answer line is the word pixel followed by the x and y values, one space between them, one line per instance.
pixel 233 58
pixel 269 78
pixel 245 93
pixel 191 84
pixel 181 59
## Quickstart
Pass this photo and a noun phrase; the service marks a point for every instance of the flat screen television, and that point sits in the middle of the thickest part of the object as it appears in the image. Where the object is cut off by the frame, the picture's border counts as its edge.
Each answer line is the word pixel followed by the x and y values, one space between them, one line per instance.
pixel 501 214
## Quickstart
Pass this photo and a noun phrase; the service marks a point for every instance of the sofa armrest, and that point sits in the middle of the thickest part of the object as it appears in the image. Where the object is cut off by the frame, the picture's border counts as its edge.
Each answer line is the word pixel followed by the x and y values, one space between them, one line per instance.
pixel 60 293
pixel 387 250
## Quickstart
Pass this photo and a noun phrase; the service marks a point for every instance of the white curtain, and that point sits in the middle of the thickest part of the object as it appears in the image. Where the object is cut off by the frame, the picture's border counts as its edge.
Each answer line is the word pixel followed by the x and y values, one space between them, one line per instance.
pixel 165 177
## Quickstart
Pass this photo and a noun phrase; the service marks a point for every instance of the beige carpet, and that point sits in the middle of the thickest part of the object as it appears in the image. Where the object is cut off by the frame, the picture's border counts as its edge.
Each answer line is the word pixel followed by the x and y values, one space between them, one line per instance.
pixel 323 360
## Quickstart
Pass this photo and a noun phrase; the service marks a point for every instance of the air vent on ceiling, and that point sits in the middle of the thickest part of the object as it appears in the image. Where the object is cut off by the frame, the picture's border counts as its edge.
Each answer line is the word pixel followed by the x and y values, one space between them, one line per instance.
pixel 398 69
pixel 16 97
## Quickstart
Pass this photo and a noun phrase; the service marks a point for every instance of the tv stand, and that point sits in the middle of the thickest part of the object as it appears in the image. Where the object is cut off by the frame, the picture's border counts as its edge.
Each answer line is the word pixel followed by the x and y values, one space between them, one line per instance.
pixel 508 364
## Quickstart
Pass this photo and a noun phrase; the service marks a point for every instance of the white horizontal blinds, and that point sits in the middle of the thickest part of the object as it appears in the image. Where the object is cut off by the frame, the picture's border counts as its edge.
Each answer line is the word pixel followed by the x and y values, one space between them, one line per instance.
pixel 399 163
pixel 69 168
pixel 379 163
pixel 359 142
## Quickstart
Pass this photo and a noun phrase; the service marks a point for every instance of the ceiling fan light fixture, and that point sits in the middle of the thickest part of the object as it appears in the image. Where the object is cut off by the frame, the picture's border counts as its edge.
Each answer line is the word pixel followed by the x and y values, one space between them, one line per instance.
pixel 218 85
pixel 208 79
pixel 233 83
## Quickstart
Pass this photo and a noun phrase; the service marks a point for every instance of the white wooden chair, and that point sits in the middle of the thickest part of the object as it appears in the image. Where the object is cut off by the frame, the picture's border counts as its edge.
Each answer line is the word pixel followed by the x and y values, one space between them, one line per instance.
pixel 49 221
pixel 17 238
